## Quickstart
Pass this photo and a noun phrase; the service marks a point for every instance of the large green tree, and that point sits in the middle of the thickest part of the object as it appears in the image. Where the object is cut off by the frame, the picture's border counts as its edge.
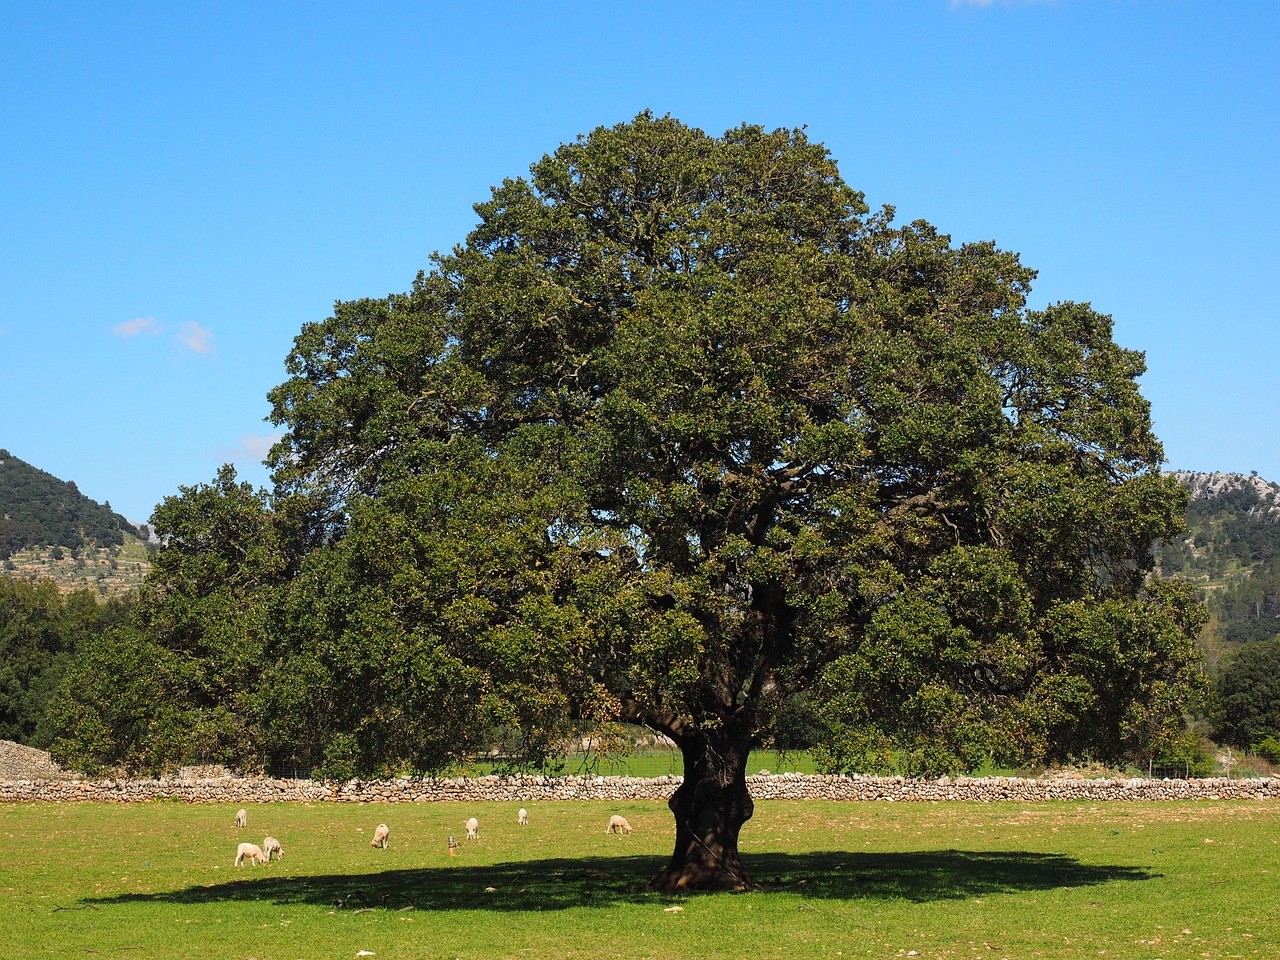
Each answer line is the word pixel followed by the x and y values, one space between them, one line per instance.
pixel 684 429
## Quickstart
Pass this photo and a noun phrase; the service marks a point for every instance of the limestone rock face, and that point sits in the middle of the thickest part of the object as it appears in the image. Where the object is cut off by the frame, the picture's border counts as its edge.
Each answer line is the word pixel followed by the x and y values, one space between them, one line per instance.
pixel 1208 486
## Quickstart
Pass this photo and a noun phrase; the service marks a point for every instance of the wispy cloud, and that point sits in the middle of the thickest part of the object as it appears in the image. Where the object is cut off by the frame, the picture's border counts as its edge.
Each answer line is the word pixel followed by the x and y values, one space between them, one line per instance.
pixel 190 337
pixel 131 328
pixel 253 447
pixel 194 338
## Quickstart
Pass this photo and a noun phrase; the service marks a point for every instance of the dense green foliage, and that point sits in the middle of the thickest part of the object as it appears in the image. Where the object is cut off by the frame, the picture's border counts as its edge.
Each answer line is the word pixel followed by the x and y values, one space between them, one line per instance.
pixel 1249 695
pixel 36 508
pixel 684 430
pixel 41 632
pixel 185 679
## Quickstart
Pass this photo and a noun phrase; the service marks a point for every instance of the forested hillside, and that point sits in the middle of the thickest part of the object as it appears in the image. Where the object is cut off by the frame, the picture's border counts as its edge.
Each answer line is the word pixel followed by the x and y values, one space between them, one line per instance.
pixel 1232 549
pixel 38 509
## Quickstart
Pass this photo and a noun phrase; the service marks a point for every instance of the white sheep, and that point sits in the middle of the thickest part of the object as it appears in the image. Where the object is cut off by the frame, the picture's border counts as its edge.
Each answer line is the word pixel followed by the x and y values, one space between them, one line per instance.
pixel 473 829
pixel 618 824
pixel 252 851
pixel 242 818
pixel 271 845
pixel 522 817
pixel 380 835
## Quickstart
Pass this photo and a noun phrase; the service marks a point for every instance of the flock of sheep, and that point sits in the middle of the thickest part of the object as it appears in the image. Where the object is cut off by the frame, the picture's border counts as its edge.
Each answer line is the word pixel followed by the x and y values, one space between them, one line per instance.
pixel 381 836
pixel 251 851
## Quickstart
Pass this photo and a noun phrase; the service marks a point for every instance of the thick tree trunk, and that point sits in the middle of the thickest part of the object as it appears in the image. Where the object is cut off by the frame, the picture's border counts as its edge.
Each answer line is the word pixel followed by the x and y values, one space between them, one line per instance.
pixel 710 808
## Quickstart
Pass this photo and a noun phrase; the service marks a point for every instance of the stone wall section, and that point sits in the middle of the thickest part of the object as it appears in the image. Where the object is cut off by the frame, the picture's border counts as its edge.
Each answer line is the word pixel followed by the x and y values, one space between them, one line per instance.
pixel 531 789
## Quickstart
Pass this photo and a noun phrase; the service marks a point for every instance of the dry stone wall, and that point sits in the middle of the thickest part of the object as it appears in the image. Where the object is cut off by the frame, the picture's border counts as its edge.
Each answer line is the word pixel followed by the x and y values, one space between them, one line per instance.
pixel 242 790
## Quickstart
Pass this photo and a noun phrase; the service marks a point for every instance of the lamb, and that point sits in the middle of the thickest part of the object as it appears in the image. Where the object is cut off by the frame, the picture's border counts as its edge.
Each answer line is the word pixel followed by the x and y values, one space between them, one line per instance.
pixel 252 851
pixel 380 834
pixel 242 818
pixel 618 824
pixel 271 845
pixel 473 829
pixel 522 817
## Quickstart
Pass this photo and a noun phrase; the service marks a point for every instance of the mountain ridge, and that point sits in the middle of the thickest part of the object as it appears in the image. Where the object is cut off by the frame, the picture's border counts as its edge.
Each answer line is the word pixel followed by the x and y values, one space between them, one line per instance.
pixel 1211 485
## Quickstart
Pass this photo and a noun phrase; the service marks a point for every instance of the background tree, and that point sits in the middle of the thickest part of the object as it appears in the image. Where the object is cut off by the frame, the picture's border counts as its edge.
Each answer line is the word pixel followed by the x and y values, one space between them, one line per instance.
pixel 182 681
pixel 1248 690
pixel 121 705
pixel 41 631
pixel 684 430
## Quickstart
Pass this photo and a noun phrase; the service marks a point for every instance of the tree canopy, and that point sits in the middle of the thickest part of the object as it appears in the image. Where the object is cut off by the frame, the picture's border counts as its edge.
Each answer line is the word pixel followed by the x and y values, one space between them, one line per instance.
pixel 684 429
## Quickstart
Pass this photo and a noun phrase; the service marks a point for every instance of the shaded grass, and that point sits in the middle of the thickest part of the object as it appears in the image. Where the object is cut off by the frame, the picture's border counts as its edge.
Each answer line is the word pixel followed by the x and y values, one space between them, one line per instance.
pixel 600 882
pixel 839 880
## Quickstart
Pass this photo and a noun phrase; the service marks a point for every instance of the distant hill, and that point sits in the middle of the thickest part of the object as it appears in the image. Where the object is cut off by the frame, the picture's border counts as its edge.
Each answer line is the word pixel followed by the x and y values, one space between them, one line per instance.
pixel 49 530
pixel 1232 548
pixel 38 509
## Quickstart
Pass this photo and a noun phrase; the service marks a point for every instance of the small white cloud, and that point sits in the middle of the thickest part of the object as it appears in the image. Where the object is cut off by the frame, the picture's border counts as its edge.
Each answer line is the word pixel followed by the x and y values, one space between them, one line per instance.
pixel 131 328
pixel 253 447
pixel 194 338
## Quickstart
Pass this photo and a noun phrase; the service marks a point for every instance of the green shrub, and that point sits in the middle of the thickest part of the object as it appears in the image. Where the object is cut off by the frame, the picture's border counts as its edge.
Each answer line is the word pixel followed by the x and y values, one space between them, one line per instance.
pixel 1268 748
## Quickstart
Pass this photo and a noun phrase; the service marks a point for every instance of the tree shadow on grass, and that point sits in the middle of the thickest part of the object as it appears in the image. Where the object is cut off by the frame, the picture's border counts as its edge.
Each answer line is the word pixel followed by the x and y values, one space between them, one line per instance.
pixel 558 884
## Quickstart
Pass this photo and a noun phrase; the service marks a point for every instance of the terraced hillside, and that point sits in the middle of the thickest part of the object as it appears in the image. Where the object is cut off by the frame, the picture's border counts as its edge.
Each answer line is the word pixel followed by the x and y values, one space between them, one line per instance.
pixel 49 529
pixel 110 571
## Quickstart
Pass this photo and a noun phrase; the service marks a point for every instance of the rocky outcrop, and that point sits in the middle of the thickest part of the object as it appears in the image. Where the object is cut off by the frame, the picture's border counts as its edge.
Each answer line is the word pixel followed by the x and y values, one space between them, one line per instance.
pixel 1209 486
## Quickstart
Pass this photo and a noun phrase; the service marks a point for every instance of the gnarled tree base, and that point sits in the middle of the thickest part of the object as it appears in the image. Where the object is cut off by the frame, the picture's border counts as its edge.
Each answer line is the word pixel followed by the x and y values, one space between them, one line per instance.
pixel 689 878
pixel 710 807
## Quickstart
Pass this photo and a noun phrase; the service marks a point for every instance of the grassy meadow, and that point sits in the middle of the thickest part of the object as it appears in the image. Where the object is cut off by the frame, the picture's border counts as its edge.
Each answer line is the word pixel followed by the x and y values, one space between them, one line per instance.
pixel 1140 880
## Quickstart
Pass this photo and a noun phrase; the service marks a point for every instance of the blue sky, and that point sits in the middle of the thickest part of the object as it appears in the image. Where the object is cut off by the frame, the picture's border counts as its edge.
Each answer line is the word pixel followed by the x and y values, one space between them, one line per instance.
pixel 184 186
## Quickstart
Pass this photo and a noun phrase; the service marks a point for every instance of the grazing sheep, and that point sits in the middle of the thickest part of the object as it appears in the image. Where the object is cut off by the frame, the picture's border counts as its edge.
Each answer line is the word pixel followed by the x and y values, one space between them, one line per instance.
pixel 252 851
pixel 271 845
pixel 618 824
pixel 522 817
pixel 242 818
pixel 473 829
pixel 380 834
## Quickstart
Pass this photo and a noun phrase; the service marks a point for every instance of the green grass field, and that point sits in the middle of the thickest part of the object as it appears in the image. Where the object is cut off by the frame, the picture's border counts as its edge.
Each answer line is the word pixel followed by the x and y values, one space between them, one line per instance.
pixel 653 763
pixel 1149 880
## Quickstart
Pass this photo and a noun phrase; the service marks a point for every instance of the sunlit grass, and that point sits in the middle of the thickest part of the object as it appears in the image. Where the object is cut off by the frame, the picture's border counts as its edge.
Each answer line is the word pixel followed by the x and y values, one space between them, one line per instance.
pixel 1139 880
pixel 657 762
